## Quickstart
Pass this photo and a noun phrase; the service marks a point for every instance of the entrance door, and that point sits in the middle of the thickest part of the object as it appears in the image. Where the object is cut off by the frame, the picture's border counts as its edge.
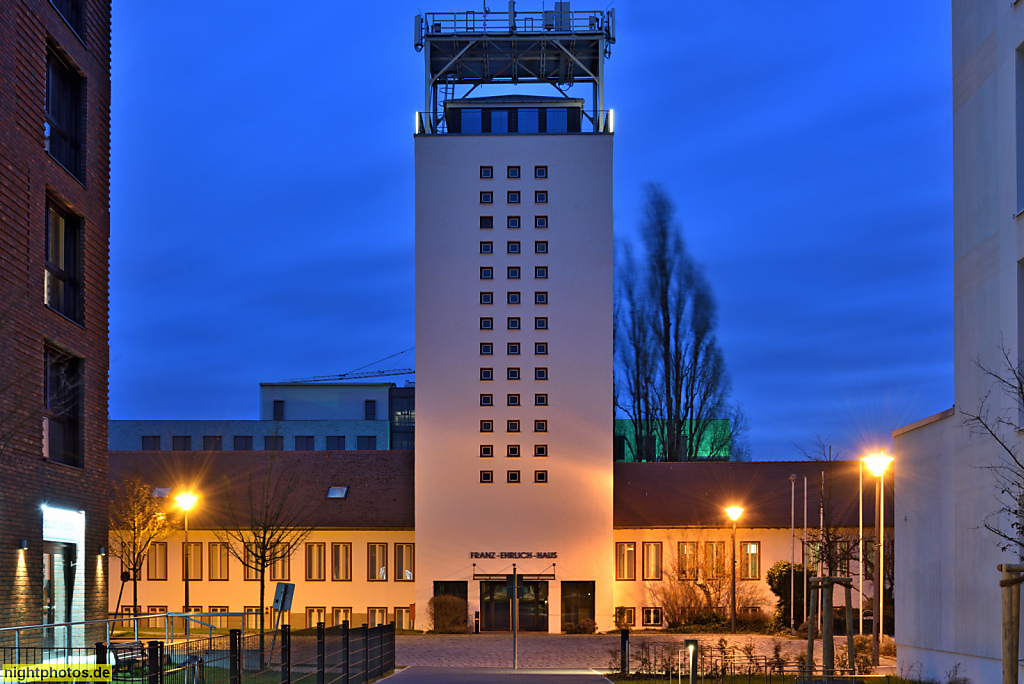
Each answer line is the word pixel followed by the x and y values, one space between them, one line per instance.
pixel 59 562
pixel 496 607
pixel 577 602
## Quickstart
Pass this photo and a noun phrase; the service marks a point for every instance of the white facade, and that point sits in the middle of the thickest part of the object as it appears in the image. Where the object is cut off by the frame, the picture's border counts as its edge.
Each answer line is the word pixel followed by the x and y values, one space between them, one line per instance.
pixel 568 518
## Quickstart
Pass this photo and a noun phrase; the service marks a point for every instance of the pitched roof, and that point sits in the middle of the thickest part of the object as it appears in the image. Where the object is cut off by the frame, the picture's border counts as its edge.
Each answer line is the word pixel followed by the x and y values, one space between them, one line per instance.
pixel 649 495
pixel 380 483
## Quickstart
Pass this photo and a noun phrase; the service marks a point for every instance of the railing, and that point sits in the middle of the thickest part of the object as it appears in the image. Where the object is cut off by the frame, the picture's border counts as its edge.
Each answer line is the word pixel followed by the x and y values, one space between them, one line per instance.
pixel 525 22
pixel 605 124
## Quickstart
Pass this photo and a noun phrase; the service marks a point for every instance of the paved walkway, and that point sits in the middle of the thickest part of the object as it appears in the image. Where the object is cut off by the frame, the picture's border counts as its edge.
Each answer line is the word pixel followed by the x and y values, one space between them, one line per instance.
pixel 483 675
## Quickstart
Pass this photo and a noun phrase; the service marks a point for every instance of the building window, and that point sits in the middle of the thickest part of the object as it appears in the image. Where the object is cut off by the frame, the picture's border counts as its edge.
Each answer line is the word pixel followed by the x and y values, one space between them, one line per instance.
pixel 242 443
pixel 405 568
pixel 540 348
pixel 540 172
pixel 249 564
pixel 512 451
pixel 540 197
pixel 219 556
pixel 63 262
pixel 486 273
pixel 181 443
pixel 625 616
pixel 219 622
pixel 471 121
pixel 486 323
pixel 314 616
pixel 513 374
pixel 366 442
pixel 377 562
pixel 540 476
pixel 486 451
pixel 487 172
pixel 341 562
pixel 540 373
pixel 278 409
pixel 341 615
pixel 156 562
pixel 514 297
pixel 71 11
pixel 316 560
pixel 304 443
pixel 540 450
pixel 625 560
pixel 513 349
pixel 513 476
pixel 64 114
pixel 557 120
pixel 529 120
pixel 486 297
pixel 513 221
pixel 513 248
pixel 652 617
pixel 540 247
pixel 512 426
pixel 540 400
pixel 540 323
pixel 540 221
pixel 252 617
pixel 273 442
pixel 62 390
pixel 513 197
pixel 335 442
pixel 513 172
pixel 688 560
pixel 750 560
pixel 486 373
pixel 403 618
pixel 513 272
pixel 486 426
pixel 540 426
pixel 486 476
pixel 486 222
pixel 151 443
pixel 375 617
pixel 652 561
pixel 513 323
pixel 714 560
pixel 281 568
pixel 486 197
pixel 486 348
pixel 213 443
pixel 512 400
pixel 487 400
pixel 370 409
pixel 540 297
pixel 487 247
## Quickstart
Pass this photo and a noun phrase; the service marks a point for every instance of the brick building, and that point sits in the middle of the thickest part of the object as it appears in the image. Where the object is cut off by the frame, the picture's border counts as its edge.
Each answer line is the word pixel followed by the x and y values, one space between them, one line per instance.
pixel 54 250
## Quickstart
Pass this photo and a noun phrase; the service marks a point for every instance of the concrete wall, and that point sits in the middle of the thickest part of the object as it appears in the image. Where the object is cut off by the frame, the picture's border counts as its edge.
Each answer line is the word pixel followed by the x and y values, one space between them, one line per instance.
pixel 334 401
pixel 126 435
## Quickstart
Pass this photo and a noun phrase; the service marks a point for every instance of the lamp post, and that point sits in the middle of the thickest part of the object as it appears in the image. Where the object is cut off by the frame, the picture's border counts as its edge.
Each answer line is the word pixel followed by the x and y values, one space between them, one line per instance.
pixel 185 502
pixel 792 549
pixel 734 513
pixel 877 463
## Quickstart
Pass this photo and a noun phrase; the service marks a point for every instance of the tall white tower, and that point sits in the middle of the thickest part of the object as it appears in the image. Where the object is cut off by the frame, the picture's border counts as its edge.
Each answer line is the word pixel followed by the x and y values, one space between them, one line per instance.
pixel 514 318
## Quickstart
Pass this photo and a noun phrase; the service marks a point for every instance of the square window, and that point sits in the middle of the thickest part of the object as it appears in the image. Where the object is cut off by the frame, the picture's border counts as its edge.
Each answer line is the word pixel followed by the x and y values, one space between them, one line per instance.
pixel 244 443
pixel 540 272
pixel 540 426
pixel 513 297
pixel 152 443
pixel 540 450
pixel 625 616
pixel 486 451
pixel 486 348
pixel 540 348
pixel 486 323
pixel 513 172
pixel 182 443
pixel 652 617
pixel 486 373
pixel 540 323
pixel 487 476
pixel 486 273
pixel 540 400
pixel 486 198
pixel 335 442
pixel 540 247
pixel 540 297
pixel 540 476
pixel 513 222
pixel 540 373
pixel 513 272
pixel 540 197
pixel 487 172
pixel 487 248
pixel 513 247
pixel 486 426
pixel 513 197
pixel 513 476
pixel 63 265
pixel 512 400
pixel 486 297
pixel 513 451
pixel 513 323
pixel 486 222
pixel 540 221
pixel 487 400
pixel 513 348
pixel 513 373
pixel 366 442
pixel 304 443
pixel 512 426
pixel 540 172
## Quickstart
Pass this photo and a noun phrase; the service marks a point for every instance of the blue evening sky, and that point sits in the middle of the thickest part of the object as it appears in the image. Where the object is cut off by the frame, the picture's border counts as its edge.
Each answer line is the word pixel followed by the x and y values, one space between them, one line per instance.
pixel 262 197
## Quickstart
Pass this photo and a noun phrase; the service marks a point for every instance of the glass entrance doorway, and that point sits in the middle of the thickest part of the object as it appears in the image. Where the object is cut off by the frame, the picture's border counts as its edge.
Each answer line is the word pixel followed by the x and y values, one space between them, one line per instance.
pixel 496 607
pixel 59 563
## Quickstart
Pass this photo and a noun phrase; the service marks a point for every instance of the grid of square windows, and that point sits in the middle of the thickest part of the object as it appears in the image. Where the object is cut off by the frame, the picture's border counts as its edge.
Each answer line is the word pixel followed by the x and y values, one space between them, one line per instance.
pixel 513 323
pixel 513 373
pixel 540 221
pixel 514 298
pixel 513 348
pixel 486 348
pixel 512 426
pixel 513 247
pixel 486 297
pixel 512 400
pixel 513 222
pixel 513 197
pixel 487 400
pixel 512 451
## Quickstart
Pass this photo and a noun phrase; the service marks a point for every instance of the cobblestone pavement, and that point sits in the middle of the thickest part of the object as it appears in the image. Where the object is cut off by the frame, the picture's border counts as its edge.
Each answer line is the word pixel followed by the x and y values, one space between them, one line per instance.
pixel 485 675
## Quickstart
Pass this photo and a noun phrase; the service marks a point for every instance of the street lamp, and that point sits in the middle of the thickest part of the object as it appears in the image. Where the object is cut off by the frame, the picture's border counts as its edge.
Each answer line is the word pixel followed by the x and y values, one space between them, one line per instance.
pixel 877 463
pixel 734 513
pixel 185 502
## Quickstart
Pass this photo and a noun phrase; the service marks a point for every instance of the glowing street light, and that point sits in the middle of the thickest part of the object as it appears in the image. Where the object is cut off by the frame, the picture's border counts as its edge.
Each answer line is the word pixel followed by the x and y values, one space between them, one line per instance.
pixel 877 464
pixel 734 513
pixel 185 502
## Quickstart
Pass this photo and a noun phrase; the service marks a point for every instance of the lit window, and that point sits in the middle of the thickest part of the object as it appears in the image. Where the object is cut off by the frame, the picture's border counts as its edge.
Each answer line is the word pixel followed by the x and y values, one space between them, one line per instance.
pixel 625 560
pixel 540 450
pixel 513 172
pixel 513 272
pixel 540 247
pixel 540 221
pixel 540 400
pixel 487 400
pixel 486 297
pixel 486 323
pixel 540 348
pixel 513 373
pixel 512 451
pixel 156 561
pixel 486 273
pixel 487 248
pixel 512 426
pixel 513 197
pixel 513 323
pixel 540 476
pixel 219 557
pixel 750 560
pixel 688 560
pixel 405 568
pixel 486 198
pixel 513 221
pixel 513 298
pixel 486 348
pixel 540 426
pixel 487 476
pixel 337 492
pixel 714 560
pixel 486 426
pixel 540 197
pixel 513 348
pixel 486 373
pixel 513 476
pixel 63 265
pixel 377 562
pixel 512 400
pixel 487 222
pixel 487 172
pixel 652 561
pixel 540 297
pixel 540 172
pixel 513 248
pixel 486 451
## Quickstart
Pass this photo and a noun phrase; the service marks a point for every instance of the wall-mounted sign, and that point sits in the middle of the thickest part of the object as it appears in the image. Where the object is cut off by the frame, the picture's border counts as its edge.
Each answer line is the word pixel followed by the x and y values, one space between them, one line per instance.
pixel 61 525
pixel 512 555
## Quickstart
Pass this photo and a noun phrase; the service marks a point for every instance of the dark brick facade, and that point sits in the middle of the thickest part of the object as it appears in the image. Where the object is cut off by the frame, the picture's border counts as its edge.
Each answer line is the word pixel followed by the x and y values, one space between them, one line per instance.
pixel 34 33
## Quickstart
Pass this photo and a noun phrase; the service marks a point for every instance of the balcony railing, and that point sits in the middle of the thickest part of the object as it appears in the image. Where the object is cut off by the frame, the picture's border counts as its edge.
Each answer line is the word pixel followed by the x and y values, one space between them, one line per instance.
pixel 551 21
pixel 604 124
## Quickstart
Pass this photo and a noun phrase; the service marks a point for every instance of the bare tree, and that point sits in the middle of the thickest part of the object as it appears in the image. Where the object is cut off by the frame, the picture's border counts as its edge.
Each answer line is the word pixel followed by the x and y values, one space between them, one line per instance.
pixel 137 519
pixel 835 546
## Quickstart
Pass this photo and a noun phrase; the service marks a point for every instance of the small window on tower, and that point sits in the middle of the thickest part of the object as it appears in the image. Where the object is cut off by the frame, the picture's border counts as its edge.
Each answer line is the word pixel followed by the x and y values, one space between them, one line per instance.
pixel 512 400
pixel 513 349
pixel 486 373
pixel 540 221
pixel 487 248
pixel 487 172
pixel 486 273
pixel 540 172
pixel 540 197
pixel 540 476
pixel 513 272
pixel 540 272
pixel 486 476
pixel 540 247
pixel 540 426
pixel 513 373
pixel 540 373
pixel 513 476
pixel 512 451
pixel 486 198
pixel 540 450
pixel 487 400
pixel 513 221
pixel 513 247
pixel 540 400
pixel 486 323
pixel 486 297
pixel 486 221
pixel 514 298
pixel 486 348
pixel 486 451
pixel 540 297
pixel 540 348
pixel 513 197
pixel 512 425
pixel 486 426
pixel 540 323
pixel 513 323
pixel 513 172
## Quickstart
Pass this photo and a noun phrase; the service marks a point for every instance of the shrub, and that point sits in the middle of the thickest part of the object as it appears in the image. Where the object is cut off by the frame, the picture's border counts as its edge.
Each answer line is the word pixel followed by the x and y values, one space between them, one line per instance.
pixel 584 626
pixel 449 614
